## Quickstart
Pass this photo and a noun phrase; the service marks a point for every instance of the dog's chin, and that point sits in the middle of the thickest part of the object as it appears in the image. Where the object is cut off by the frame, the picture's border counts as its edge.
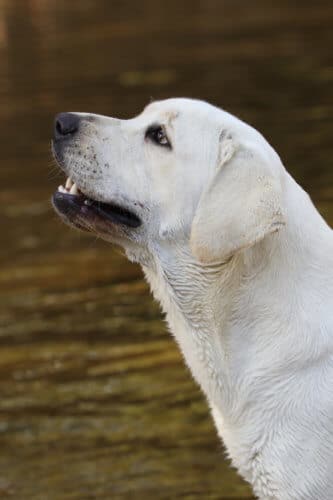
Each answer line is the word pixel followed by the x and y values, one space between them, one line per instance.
pixel 86 214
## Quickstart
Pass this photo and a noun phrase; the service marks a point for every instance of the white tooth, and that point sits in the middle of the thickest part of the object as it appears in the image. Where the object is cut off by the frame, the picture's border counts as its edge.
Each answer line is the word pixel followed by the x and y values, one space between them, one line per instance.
pixel 69 183
pixel 74 189
pixel 62 189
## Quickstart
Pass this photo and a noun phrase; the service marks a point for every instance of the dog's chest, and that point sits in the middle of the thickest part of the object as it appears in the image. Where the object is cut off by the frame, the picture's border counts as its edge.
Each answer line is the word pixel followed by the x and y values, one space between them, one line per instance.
pixel 246 451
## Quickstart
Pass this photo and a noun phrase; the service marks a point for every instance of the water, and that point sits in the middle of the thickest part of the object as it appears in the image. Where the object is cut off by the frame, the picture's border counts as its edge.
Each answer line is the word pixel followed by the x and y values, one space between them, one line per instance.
pixel 96 402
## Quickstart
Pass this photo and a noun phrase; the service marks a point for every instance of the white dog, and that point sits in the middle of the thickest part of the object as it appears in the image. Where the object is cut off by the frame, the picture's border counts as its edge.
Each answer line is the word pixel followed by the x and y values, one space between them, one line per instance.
pixel 242 264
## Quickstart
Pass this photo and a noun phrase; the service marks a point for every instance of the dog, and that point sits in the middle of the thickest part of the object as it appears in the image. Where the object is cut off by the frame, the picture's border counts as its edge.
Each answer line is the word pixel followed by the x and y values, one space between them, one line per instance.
pixel 241 263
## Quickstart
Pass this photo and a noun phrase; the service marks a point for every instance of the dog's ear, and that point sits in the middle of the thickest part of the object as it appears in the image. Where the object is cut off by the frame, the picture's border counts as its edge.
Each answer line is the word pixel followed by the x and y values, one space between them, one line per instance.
pixel 240 206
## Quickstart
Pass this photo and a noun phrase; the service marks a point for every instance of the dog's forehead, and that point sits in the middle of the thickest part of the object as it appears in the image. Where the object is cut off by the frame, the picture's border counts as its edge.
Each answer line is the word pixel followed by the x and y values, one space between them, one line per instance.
pixel 171 111
pixel 160 111
pixel 152 114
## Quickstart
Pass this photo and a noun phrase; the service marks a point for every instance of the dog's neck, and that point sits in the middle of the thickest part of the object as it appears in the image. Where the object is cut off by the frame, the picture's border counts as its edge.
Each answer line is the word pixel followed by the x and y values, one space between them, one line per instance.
pixel 249 336
pixel 225 319
pixel 197 310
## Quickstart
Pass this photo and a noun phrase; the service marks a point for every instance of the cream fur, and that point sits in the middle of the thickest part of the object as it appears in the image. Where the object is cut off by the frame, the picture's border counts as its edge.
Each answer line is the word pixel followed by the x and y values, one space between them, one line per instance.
pixel 242 264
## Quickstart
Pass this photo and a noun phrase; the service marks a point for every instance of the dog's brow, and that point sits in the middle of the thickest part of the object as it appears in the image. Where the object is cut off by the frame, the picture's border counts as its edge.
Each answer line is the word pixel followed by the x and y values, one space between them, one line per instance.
pixel 170 117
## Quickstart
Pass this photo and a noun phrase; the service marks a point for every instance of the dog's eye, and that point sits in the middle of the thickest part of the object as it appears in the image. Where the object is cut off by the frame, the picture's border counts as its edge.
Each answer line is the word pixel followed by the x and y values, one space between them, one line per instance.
pixel 157 134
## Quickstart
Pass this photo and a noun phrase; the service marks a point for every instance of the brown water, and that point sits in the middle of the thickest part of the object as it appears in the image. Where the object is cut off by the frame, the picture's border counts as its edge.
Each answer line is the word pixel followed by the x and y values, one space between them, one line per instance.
pixel 95 400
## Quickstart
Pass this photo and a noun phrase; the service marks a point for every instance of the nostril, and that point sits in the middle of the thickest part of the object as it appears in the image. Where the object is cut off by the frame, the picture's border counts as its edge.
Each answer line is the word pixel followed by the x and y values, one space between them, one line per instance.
pixel 65 124
pixel 58 127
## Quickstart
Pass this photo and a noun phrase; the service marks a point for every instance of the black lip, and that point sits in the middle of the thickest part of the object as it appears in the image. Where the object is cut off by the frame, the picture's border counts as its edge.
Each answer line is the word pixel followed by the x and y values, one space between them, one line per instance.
pixel 57 152
pixel 71 205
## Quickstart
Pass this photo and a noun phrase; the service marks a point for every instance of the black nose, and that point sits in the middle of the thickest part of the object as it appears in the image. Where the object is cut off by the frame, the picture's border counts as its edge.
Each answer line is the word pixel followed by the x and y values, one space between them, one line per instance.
pixel 66 124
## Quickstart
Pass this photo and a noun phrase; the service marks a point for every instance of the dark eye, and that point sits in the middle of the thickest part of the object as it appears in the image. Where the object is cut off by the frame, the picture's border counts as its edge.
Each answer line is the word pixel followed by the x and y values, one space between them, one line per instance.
pixel 157 134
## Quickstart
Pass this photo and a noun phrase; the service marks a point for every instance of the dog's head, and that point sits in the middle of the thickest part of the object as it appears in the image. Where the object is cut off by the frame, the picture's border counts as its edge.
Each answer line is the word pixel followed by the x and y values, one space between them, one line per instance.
pixel 181 171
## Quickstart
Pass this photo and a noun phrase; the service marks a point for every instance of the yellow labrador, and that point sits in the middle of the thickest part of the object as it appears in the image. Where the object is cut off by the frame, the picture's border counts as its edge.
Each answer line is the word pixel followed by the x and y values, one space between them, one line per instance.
pixel 242 264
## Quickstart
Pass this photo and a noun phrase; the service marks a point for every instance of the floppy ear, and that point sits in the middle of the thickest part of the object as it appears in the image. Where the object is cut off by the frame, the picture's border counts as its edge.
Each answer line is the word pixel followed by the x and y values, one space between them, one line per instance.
pixel 241 205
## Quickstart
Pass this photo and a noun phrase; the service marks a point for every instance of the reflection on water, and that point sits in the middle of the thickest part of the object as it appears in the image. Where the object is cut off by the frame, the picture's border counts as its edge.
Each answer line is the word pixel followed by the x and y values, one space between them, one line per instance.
pixel 95 400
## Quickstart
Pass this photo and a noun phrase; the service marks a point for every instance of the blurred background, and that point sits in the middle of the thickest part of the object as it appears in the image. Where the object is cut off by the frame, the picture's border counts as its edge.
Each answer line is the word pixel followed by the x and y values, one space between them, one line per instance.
pixel 96 402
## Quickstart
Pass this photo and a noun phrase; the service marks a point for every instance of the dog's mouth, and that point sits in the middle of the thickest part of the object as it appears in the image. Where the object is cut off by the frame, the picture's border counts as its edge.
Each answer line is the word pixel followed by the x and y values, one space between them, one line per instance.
pixel 88 214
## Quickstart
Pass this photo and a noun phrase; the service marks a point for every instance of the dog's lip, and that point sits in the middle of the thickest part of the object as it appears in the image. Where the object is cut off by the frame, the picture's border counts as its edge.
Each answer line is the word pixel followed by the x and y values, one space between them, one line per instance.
pixel 71 202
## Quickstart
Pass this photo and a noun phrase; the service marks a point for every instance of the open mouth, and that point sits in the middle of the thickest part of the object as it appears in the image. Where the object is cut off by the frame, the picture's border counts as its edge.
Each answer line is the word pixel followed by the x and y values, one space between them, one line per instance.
pixel 85 213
